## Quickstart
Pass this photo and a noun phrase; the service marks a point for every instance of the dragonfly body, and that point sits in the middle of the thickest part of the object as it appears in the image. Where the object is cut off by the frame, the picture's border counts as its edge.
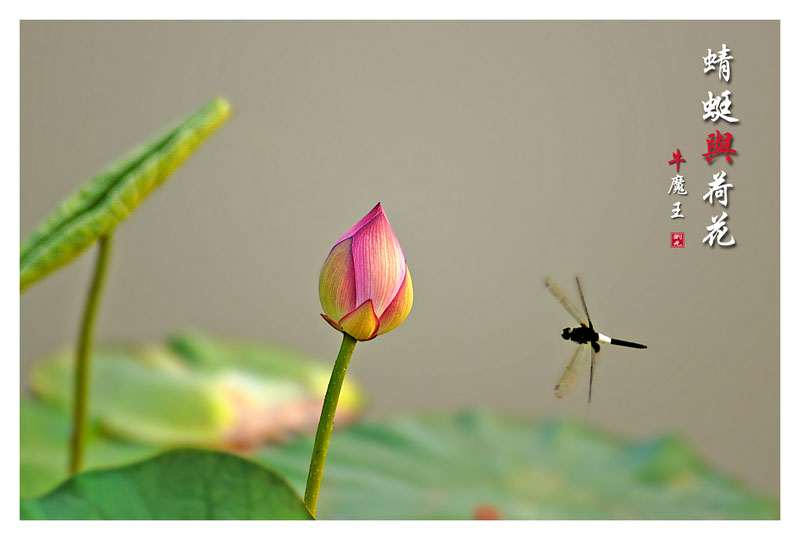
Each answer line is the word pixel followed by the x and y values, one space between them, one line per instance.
pixel 585 336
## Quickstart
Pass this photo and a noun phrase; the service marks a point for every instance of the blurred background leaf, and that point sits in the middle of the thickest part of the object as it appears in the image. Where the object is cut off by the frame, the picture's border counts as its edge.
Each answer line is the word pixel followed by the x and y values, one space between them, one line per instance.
pixel 471 465
pixel 182 484
pixel 44 439
pixel 106 200
pixel 199 390
pixel 193 390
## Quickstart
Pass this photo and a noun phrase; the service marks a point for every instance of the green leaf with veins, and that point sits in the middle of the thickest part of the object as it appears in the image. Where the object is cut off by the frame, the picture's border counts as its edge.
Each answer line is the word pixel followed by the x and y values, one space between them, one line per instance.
pixel 106 200
pixel 181 484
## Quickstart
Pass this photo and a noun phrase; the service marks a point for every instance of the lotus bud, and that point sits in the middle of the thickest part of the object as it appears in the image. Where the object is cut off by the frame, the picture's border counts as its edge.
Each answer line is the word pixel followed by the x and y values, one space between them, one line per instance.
pixel 364 286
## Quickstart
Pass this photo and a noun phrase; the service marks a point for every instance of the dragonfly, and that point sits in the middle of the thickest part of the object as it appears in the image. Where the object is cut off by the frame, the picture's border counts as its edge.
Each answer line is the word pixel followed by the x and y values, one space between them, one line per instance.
pixel 587 338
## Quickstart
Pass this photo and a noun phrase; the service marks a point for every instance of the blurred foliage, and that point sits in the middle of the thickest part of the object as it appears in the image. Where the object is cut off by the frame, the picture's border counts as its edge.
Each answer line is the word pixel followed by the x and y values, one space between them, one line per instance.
pixel 182 484
pixel 194 390
pixel 471 465
pixel 190 391
pixel 106 200
pixel 200 391
pixel 44 440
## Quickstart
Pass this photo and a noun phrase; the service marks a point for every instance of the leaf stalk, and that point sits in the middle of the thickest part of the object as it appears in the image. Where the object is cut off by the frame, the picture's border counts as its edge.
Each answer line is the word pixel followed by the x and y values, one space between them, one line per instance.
pixel 80 397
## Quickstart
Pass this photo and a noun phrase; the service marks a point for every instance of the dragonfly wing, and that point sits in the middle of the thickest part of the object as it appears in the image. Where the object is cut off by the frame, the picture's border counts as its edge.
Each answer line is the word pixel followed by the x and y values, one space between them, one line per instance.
pixel 583 301
pixel 559 295
pixel 574 369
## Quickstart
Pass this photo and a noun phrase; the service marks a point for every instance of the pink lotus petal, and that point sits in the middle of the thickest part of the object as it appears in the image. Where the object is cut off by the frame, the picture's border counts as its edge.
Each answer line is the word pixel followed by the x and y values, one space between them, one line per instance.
pixel 331 322
pixel 377 209
pixel 380 266
pixel 337 285
pixel 400 307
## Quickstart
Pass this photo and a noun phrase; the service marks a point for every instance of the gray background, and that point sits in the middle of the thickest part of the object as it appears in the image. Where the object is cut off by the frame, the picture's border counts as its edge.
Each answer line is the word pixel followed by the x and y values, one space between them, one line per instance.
pixel 503 152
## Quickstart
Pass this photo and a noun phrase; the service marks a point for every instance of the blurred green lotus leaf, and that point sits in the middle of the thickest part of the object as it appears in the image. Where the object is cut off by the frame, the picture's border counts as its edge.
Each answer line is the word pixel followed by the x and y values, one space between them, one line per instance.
pixel 199 390
pixel 106 200
pixel 44 439
pixel 181 484
pixel 479 465
pixel 211 353
pixel 195 390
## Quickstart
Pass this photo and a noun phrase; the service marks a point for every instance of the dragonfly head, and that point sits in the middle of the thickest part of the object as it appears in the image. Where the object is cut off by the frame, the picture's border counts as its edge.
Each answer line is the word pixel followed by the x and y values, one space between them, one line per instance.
pixel 565 333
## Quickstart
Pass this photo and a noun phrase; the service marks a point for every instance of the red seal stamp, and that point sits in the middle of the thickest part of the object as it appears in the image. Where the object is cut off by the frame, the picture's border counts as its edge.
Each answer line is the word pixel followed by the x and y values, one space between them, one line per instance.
pixel 676 239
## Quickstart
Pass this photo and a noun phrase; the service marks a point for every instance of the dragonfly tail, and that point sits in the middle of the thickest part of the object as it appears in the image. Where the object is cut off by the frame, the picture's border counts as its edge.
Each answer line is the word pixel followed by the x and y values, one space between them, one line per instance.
pixel 623 343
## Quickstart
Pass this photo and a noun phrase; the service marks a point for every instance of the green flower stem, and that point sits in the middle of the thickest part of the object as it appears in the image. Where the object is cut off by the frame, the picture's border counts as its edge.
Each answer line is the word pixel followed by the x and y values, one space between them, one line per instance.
pixel 325 426
pixel 80 397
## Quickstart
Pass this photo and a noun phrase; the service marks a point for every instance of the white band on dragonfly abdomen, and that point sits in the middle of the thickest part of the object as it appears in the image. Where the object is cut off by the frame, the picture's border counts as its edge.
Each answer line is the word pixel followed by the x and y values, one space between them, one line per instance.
pixel 603 338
